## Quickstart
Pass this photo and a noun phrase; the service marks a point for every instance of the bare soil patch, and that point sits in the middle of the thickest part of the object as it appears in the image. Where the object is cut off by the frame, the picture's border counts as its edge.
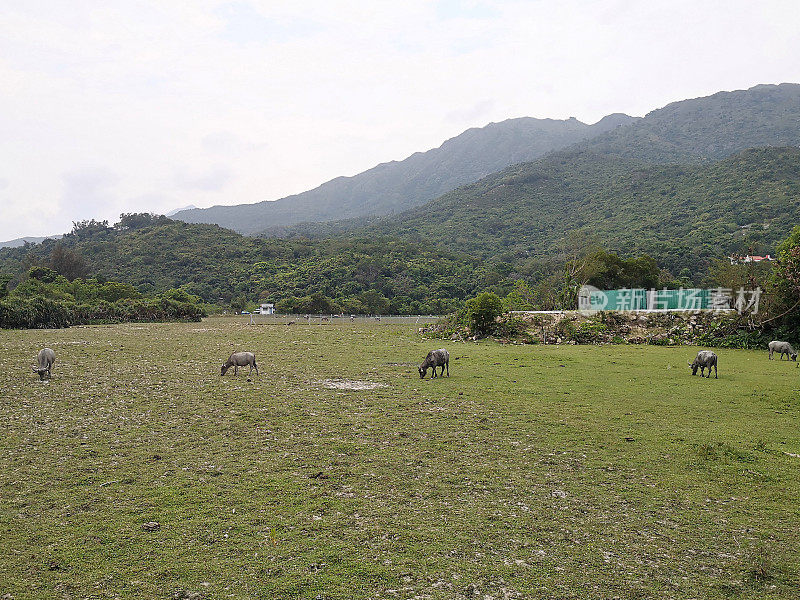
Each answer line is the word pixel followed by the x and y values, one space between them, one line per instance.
pixel 350 384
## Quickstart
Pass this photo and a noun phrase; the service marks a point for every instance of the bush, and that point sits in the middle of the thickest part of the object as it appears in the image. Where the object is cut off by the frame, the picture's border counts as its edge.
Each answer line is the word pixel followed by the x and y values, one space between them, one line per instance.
pixel 35 313
pixel 40 312
pixel 481 311
pixel 590 332
pixel 511 327
pixel 566 329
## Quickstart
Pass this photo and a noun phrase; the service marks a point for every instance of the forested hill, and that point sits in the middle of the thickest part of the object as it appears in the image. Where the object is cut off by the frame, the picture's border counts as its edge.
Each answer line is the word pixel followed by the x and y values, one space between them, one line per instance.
pixel 377 275
pixel 696 130
pixel 708 128
pixel 396 186
pixel 682 215
pixel 486 235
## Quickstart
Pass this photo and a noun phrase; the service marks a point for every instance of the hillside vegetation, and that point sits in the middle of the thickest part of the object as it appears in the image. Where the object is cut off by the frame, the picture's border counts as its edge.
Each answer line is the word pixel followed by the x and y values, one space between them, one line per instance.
pixel 688 131
pixel 684 216
pixel 376 275
pixel 511 229
pixel 517 224
pixel 398 185
pixel 709 128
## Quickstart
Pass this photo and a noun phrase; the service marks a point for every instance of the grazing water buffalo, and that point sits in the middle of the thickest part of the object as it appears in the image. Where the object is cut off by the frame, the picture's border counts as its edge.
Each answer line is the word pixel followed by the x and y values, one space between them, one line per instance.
pixel 782 348
pixel 435 358
pixel 44 363
pixel 240 359
pixel 704 358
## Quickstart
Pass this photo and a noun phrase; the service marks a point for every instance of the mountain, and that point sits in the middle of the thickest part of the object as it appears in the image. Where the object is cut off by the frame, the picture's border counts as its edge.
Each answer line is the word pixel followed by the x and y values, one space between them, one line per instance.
pixel 177 210
pixel 684 216
pixel 700 129
pixel 396 186
pixel 708 128
pixel 510 225
pixel 26 240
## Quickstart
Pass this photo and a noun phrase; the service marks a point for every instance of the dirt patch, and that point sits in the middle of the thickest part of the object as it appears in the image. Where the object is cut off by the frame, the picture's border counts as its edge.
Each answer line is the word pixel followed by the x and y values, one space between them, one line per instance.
pixel 350 384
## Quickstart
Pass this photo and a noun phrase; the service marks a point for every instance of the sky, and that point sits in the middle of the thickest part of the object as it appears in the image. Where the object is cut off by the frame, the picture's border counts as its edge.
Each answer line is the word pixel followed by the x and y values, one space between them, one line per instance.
pixel 115 106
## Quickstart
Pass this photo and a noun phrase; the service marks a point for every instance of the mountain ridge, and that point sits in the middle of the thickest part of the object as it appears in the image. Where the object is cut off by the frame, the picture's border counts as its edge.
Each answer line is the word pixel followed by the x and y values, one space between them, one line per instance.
pixel 21 241
pixel 634 206
pixel 397 185
pixel 508 226
pixel 709 127
pixel 684 215
pixel 699 129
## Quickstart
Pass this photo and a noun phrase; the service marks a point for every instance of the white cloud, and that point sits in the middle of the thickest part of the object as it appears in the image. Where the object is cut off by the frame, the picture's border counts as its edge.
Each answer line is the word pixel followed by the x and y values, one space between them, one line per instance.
pixel 173 98
pixel 214 179
pixel 90 193
pixel 472 113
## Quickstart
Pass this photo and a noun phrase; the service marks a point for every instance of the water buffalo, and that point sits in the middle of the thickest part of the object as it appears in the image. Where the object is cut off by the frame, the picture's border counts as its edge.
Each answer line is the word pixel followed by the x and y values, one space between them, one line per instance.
pixel 240 359
pixel 704 358
pixel 435 358
pixel 44 363
pixel 782 348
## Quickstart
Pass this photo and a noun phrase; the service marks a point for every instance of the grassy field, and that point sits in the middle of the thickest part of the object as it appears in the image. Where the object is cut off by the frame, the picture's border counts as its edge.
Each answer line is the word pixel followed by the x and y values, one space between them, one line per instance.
pixel 532 472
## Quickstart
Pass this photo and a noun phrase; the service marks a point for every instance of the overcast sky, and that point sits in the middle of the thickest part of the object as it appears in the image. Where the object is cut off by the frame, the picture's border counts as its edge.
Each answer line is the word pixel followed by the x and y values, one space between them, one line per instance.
pixel 128 106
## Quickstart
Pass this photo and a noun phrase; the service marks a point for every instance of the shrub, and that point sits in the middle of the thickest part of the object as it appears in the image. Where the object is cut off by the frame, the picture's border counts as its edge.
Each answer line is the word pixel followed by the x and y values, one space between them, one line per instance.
pixel 35 313
pixel 511 327
pixel 481 311
pixel 590 332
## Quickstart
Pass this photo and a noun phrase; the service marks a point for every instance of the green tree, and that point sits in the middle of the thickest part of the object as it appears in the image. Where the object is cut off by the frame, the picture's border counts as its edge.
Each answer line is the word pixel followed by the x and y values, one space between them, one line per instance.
pixel 521 297
pixel 481 311
pixel 128 221
pixel 316 303
pixel 374 302
pixel 238 303
pixel 610 271
pixel 113 291
pixel 43 274
pixel 4 281
pixel 786 281
pixel 68 262
pixel 88 228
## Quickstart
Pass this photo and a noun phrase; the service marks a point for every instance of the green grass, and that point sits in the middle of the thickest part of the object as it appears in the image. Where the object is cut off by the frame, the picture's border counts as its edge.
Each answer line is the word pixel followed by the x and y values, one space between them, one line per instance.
pixel 532 472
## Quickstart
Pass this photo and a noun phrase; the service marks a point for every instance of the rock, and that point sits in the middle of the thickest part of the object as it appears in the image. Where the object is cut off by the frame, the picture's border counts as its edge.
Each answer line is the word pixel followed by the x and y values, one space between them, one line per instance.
pixel 151 526
pixel 186 595
pixel 558 494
